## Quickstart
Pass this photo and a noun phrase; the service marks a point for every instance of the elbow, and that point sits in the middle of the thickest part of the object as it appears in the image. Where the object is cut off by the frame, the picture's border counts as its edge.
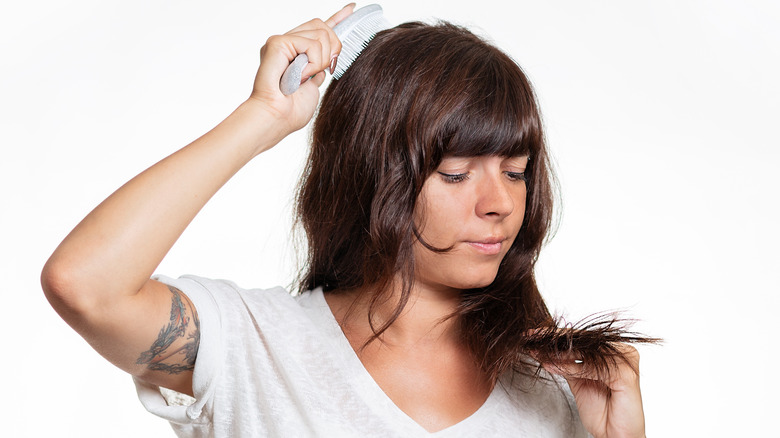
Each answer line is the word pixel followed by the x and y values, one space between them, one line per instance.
pixel 61 287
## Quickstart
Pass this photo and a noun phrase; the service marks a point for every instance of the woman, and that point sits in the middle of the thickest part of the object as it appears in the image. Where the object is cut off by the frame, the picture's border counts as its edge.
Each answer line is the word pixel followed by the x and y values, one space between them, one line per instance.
pixel 425 202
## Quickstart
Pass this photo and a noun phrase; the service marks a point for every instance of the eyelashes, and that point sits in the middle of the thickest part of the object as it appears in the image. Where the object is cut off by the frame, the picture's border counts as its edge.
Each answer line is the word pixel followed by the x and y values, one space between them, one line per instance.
pixel 517 176
pixel 453 178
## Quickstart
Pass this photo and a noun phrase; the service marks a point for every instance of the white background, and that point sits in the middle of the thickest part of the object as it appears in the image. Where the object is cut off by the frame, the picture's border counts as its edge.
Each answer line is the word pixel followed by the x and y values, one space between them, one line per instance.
pixel 662 117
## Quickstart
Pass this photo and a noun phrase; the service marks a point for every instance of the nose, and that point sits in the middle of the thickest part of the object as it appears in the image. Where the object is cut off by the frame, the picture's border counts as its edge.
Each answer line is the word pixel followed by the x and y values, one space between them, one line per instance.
pixel 494 198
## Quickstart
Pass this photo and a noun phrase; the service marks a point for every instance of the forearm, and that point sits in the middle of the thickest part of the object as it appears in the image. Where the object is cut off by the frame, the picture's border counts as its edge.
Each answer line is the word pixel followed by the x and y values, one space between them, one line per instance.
pixel 117 247
pixel 98 278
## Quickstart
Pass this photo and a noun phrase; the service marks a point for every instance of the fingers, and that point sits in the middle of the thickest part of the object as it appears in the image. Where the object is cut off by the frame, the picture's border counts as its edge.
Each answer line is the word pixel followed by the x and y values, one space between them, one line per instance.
pixel 319 43
pixel 340 15
pixel 623 372
pixel 314 44
pixel 323 32
pixel 315 38
pixel 276 55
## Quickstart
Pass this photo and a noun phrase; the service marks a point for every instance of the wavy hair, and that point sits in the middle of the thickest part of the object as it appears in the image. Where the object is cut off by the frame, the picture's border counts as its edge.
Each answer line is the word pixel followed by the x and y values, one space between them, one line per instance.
pixel 416 94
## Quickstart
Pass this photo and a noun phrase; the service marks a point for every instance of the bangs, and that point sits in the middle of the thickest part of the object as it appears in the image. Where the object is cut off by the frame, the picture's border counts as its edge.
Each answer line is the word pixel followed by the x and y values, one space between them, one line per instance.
pixel 435 91
pixel 493 113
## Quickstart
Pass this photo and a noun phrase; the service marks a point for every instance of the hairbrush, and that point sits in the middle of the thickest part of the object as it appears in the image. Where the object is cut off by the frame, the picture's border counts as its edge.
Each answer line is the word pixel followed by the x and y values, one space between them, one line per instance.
pixel 355 32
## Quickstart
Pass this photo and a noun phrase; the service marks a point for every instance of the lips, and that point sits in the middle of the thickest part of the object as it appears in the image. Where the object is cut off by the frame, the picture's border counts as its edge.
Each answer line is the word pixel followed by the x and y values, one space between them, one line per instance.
pixel 490 246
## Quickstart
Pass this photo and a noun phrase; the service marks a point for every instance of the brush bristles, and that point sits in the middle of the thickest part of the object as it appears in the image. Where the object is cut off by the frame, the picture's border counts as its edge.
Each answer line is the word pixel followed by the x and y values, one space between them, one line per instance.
pixel 357 40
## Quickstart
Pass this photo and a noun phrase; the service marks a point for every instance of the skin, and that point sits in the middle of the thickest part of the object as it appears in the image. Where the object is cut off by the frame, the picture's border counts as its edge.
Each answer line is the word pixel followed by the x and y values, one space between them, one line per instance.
pixel 98 278
pixel 611 407
pixel 474 205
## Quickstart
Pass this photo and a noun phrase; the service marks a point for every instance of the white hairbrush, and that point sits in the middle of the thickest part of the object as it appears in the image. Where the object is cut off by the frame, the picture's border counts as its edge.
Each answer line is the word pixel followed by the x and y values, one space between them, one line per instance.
pixel 355 32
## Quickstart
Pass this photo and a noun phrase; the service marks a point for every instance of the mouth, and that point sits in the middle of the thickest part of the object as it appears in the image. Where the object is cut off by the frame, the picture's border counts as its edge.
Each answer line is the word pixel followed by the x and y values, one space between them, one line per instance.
pixel 491 246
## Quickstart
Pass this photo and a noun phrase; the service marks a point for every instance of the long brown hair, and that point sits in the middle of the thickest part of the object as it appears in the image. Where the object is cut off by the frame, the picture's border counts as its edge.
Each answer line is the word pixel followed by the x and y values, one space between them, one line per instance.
pixel 419 92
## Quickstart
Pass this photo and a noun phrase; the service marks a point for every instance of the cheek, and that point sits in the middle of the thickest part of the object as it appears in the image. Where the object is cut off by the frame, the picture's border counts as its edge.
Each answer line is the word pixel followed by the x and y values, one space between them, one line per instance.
pixel 441 220
pixel 521 213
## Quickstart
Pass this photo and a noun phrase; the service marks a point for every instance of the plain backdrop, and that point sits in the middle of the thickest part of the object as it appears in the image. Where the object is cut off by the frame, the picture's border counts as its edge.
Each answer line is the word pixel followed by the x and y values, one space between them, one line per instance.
pixel 661 116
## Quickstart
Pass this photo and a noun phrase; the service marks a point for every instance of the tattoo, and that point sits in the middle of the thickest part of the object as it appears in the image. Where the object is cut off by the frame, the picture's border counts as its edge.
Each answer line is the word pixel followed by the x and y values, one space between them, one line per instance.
pixel 157 356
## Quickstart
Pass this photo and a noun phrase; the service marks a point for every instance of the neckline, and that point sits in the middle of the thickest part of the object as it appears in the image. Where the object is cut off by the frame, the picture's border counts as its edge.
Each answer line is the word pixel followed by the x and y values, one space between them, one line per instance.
pixel 373 395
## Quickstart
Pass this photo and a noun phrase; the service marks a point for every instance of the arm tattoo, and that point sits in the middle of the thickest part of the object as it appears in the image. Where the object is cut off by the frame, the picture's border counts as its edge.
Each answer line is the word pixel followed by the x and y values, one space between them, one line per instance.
pixel 156 356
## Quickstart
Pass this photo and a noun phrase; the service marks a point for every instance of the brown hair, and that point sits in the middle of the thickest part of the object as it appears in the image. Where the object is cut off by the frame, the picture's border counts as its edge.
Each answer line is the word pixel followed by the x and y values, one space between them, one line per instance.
pixel 419 92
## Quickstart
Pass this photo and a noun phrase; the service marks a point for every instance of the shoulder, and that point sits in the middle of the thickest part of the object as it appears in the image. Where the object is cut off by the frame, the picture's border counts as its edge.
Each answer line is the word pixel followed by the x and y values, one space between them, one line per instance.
pixel 239 330
pixel 194 282
pixel 226 308
pixel 236 318
pixel 225 294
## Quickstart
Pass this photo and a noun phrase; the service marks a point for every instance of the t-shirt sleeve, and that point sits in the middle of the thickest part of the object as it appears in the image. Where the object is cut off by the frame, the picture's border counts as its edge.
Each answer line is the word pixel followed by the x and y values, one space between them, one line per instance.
pixel 207 365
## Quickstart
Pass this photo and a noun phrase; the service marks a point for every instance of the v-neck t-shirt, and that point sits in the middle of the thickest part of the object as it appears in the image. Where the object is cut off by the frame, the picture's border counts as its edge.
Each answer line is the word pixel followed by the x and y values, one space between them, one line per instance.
pixel 271 364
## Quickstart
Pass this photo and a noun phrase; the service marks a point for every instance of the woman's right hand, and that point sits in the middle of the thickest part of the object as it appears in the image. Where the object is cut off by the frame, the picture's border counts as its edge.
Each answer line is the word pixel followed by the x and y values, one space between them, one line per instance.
pixel 315 38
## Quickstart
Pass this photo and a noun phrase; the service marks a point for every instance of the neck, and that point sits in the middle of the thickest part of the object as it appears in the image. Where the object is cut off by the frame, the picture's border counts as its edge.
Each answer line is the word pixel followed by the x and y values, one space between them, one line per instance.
pixel 424 319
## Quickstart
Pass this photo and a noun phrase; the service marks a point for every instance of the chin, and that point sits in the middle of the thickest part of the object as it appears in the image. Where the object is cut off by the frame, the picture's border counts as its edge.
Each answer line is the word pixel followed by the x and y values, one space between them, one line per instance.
pixel 480 284
pixel 475 280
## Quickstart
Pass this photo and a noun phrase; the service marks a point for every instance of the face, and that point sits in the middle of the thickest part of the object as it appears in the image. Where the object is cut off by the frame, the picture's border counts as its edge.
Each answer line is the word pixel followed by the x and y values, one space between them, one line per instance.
pixel 475 206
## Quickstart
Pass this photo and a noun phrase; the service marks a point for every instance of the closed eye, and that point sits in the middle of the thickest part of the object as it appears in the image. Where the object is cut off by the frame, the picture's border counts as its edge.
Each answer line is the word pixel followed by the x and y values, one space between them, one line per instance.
pixel 517 176
pixel 454 177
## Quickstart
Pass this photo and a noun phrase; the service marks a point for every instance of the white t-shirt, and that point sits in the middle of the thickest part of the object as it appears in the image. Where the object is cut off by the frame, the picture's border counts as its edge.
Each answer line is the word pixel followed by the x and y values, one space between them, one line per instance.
pixel 271 364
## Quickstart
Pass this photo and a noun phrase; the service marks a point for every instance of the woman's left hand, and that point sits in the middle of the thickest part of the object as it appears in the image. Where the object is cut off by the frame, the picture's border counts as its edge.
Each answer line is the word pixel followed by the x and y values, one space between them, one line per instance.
pixel 609 407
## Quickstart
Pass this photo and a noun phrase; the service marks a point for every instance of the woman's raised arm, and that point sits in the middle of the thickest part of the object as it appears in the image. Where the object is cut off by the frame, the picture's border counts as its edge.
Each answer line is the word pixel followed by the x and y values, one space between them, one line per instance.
pixel 98 277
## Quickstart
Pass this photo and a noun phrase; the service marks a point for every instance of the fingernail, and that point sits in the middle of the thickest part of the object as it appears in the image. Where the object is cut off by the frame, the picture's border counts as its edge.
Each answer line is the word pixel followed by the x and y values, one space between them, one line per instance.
pixel 348 5
pixel 333 61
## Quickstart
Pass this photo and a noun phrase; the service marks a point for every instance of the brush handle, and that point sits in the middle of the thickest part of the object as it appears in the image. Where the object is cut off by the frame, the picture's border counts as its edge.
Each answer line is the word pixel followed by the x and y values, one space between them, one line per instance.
pixel 291 79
